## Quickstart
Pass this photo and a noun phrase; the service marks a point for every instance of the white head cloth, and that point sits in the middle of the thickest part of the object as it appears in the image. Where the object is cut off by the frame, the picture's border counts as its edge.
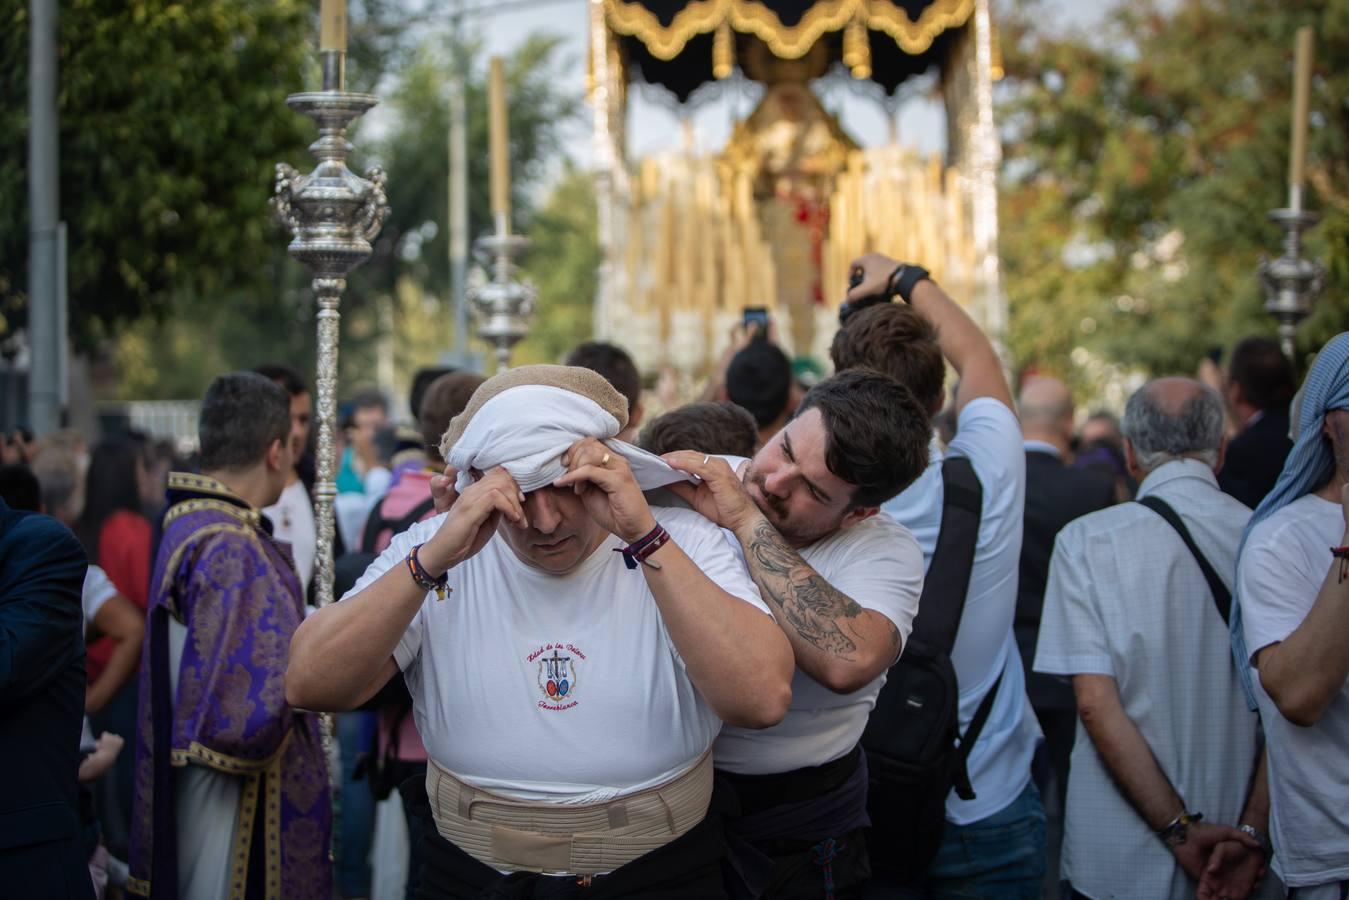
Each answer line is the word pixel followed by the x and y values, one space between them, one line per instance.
pixel 526 429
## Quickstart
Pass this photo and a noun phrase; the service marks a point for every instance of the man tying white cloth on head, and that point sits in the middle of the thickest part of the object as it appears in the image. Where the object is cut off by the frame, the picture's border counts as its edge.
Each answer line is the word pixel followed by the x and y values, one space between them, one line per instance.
pixel 568 695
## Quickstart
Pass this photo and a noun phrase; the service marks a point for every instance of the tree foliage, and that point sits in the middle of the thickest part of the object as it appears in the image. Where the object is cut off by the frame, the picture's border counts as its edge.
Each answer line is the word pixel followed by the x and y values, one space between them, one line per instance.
pixel 171 117
pixel 1140 162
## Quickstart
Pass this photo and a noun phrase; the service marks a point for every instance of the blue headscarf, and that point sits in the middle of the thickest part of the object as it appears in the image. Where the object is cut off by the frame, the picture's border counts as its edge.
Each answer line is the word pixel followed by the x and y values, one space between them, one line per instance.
pixel 1309 465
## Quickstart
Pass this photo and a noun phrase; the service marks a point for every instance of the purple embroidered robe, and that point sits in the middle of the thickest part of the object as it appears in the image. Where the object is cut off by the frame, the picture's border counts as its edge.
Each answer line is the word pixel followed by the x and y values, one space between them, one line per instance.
pixel 221 574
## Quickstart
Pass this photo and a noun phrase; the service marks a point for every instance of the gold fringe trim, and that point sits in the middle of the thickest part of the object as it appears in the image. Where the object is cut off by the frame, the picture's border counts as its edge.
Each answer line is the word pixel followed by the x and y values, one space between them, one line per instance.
pixel 699 17
pixel 916 37
pixel 250 517
pixel 243 837
pixel 223 762
pixel 754 17
pixel 138 886
pixel 857 48
pixel 723 52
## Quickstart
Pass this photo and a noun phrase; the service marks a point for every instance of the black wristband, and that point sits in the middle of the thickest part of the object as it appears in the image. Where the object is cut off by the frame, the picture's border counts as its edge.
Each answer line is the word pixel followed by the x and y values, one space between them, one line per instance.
pixel 904 279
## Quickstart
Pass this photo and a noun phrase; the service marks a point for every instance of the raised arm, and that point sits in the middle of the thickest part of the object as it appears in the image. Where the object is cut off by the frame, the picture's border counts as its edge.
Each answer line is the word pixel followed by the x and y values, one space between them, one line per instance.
pixel 736 657
pixel 1305 672
pixel 342 654
pixel 962 342
pixel 834 640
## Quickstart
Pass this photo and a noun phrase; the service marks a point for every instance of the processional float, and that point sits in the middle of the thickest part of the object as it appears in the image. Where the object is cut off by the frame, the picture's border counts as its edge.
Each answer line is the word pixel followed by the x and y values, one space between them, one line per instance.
pixel 774 218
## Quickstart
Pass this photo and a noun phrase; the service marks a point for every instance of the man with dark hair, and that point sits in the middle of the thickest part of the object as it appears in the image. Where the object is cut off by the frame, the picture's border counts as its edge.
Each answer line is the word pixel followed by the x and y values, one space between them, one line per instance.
pixel 759 378
pixel 1258 388
pixel 292 515
pixel 369 412
pixel 843 581
pixel 724 429
pixel 42 687
pixel 232 785
pixel 617 367
pixel 1005 809
pixel 421 380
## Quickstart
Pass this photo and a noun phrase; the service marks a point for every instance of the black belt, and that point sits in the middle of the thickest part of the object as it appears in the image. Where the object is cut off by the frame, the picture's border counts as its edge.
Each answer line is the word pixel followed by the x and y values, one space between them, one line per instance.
pixel 760 792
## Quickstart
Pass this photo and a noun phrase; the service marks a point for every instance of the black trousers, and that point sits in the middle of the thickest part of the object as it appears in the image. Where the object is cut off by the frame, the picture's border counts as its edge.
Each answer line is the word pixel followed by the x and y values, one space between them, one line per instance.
pixel 691 867
pixel 833 869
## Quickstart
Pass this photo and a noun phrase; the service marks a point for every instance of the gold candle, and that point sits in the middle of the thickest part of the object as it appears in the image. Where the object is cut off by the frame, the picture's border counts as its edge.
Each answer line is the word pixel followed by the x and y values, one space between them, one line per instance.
pixel 1302 83
pixel 500 146
pixel 333 25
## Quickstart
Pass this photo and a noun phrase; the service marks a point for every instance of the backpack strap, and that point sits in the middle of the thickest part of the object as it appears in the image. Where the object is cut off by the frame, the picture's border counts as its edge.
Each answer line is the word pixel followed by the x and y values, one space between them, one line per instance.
pixel 1222 597
pixel 375 522
pixel 961 777
pixel 942 602
pixel 946 587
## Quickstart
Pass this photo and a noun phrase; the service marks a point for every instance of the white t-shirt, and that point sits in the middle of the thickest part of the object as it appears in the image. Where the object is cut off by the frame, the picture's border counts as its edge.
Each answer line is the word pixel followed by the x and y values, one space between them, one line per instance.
pixel 1125 598
pixel 1285 560
pixel 878 564
pixel 98 589
pixel 292 519
pixel 989 435
pixel 563 688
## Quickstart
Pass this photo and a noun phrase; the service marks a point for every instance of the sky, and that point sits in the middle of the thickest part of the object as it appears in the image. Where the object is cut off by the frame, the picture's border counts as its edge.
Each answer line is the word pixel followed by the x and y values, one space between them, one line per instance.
pixel 655 123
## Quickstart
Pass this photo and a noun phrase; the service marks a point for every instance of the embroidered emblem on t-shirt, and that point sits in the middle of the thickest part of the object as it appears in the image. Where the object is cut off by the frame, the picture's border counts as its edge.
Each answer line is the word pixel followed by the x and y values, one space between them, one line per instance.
pixel 557 674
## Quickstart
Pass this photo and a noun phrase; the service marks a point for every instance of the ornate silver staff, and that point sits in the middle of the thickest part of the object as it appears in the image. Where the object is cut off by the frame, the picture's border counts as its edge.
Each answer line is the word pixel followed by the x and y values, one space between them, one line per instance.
pixel 1292 283
pixel 332 215
pixel 504 304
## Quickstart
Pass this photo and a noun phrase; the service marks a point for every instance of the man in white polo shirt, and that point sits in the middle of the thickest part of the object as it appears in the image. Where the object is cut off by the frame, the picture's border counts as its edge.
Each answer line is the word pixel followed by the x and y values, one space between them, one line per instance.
pixel 570 683
pixel 1293 600
pixel 993 845
pixel 844 582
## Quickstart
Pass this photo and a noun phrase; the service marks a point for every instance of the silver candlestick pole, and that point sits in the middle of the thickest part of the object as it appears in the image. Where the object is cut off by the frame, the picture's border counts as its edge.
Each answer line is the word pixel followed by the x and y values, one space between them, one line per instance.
pixel 1291 283
pixel 332 214
pixel 503 305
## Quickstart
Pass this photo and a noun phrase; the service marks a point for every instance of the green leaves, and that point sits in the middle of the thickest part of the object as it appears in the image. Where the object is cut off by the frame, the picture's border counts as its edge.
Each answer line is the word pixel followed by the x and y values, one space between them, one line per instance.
pixel 171 117
pixel 1141 160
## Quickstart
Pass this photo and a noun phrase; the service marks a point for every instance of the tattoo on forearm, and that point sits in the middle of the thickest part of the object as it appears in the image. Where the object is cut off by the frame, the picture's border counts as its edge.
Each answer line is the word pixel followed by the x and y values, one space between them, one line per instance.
pixel 813 608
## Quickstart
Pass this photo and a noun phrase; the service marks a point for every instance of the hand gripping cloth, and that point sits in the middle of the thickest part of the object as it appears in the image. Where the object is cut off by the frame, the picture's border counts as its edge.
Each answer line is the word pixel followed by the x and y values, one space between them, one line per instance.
pixel 525 419
pixel 1309 465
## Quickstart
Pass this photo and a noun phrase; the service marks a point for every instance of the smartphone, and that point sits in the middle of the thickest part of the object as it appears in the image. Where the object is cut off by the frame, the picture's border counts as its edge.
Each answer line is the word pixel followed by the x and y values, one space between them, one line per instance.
pixel 757 315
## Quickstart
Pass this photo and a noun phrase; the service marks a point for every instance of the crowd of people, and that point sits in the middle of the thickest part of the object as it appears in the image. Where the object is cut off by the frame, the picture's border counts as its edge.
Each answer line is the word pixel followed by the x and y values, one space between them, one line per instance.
pixel 879 634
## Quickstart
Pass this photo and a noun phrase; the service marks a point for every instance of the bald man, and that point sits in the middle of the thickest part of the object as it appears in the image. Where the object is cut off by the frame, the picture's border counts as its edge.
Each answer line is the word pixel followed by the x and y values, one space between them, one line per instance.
pixel 1131 615
pixel 1056 494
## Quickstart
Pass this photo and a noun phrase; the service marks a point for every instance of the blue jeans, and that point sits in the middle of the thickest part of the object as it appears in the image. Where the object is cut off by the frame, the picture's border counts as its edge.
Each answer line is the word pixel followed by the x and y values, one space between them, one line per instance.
pixel 356 819
pixel 1001 857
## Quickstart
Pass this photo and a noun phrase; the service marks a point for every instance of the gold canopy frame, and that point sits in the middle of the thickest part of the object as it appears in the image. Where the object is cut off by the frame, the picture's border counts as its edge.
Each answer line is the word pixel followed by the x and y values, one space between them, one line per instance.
pixel 773 219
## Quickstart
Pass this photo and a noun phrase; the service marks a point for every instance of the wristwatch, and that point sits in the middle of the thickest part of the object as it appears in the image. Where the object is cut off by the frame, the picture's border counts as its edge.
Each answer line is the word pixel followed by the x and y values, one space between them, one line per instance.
pixel 1259 836
pixel 904 279
pixel 1177 831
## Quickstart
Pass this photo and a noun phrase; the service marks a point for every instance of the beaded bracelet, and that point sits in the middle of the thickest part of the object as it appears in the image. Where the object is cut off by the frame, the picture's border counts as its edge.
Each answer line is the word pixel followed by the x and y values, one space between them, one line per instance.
pixel 643 547
pixel 423 578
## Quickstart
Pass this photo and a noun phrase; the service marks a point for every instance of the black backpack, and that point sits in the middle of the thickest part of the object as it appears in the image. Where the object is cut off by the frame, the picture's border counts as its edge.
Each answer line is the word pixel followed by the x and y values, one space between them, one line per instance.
pixel 915 753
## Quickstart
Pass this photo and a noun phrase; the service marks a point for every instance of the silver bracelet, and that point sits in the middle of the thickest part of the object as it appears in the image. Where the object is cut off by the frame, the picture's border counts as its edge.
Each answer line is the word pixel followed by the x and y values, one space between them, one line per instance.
pixel 1255 833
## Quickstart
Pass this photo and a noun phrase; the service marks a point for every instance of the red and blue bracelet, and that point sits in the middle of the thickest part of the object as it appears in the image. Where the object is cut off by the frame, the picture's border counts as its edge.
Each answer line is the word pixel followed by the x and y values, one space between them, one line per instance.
pixel 639 550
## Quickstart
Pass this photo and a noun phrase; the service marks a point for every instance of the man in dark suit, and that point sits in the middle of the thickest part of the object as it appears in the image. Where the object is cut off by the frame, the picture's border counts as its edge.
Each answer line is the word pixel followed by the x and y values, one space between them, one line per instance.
pixel 1055 495
pixel 42 684
pixel 1258 387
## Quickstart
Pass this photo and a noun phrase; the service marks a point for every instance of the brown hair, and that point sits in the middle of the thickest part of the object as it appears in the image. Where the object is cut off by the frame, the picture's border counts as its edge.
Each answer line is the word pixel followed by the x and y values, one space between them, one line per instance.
pixel 877 433
pixel 722 428
pixel 442 400
pixel 893 338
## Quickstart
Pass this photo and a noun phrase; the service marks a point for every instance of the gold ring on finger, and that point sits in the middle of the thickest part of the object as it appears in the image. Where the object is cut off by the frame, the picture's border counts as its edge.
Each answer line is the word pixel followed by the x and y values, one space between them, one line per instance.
pixel 604 463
